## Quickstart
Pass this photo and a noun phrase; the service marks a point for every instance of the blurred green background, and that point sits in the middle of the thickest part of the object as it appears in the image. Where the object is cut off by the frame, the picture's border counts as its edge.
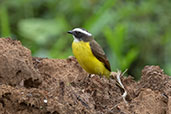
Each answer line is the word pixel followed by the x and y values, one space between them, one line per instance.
pixel 133 33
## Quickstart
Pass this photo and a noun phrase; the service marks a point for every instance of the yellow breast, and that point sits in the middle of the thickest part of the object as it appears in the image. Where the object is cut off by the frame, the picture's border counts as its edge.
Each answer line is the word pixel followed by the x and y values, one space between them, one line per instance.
pixel 87 60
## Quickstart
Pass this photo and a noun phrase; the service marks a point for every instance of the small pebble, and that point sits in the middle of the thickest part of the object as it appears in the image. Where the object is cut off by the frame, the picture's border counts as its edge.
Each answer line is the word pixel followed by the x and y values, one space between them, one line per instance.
pixel 45 101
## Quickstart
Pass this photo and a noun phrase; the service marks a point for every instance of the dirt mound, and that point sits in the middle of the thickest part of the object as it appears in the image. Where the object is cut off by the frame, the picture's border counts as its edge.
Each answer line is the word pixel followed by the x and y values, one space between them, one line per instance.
pixel 16 66
pixel 60 86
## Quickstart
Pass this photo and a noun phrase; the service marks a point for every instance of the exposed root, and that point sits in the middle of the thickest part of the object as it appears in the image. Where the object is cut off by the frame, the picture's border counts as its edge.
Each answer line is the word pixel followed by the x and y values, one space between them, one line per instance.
pixel 118 74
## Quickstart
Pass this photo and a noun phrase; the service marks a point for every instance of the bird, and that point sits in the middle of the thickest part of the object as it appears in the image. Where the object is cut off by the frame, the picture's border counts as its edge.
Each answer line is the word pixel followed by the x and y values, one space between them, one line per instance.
pixel 89 53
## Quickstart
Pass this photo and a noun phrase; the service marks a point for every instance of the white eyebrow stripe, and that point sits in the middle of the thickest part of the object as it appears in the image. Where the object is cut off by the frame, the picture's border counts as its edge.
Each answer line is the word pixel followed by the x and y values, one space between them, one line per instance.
pixel 82 31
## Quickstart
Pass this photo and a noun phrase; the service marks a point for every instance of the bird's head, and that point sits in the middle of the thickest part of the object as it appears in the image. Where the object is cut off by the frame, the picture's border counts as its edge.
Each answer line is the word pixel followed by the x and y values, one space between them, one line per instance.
pixel 80 34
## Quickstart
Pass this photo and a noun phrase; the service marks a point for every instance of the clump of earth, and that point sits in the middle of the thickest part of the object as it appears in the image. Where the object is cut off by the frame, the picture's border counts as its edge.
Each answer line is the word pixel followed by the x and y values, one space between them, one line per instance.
pixel 32 85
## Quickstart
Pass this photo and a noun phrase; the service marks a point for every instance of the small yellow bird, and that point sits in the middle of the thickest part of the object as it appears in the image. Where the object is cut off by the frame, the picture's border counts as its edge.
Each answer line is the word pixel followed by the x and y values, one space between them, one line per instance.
pixel 89 53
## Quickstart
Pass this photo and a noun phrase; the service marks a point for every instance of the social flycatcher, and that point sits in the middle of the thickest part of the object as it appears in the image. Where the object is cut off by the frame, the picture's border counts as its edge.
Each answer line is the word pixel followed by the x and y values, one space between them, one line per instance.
pixel 89 53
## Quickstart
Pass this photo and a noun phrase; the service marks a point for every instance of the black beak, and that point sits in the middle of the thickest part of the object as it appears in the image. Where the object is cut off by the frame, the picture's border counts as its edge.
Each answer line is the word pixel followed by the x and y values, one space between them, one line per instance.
pixel 70 32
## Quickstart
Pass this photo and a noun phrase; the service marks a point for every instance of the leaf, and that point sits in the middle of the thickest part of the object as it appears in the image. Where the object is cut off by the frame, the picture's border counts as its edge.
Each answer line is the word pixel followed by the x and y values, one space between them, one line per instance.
pixel 101 17
pixel 129 58
pixel 116 39
pixel 5 28
pixel 40 30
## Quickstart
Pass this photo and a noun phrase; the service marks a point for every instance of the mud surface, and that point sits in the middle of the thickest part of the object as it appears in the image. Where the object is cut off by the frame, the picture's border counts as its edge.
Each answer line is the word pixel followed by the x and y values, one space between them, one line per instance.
pixel 54 86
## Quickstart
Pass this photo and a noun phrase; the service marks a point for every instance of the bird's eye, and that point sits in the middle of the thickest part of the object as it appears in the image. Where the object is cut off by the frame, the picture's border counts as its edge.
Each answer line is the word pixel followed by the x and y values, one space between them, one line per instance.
pixel 79 34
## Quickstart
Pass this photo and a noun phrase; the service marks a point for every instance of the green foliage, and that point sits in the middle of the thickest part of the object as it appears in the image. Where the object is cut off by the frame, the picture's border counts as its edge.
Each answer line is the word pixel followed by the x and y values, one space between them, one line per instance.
pixel 102 17
pixel 5 29
pixel 116 40
pixel 133 33
pixel 39 30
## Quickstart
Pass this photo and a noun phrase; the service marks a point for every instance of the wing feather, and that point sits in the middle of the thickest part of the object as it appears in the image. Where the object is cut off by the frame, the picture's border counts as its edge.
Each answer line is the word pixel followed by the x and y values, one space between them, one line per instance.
pixel 99 54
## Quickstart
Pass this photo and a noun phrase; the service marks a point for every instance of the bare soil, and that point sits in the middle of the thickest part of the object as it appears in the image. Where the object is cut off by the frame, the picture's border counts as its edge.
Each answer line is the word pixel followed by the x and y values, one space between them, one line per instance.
pixel 31 85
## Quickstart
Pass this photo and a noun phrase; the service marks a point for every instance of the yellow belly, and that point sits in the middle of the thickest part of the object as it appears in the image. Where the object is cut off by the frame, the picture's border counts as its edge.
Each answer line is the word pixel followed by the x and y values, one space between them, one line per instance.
pixel 87 60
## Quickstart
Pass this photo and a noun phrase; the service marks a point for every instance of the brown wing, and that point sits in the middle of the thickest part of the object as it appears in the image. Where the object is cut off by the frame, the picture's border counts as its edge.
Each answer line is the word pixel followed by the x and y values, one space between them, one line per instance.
pixel 99 53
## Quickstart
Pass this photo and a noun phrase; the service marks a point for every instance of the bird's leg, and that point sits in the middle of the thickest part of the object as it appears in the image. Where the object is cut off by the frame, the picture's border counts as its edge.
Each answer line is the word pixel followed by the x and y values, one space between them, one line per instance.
pixel 100 75
pixel 89 75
